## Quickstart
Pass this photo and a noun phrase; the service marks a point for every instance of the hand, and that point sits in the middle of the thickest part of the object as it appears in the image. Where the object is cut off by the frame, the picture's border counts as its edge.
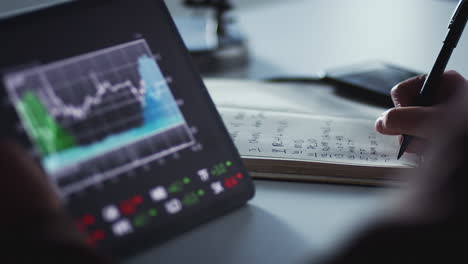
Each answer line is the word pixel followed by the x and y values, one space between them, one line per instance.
pixel 24 185
pixel 409 120
pixel 431 209
pixel 33 219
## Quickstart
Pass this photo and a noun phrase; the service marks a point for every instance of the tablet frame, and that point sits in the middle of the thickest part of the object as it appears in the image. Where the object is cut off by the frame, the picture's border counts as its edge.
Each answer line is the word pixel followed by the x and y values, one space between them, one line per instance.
pixel 140 242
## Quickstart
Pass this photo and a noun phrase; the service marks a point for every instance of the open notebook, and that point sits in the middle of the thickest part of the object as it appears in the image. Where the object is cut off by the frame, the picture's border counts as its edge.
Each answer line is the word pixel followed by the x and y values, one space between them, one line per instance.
pixel 317 148
pixel 310 146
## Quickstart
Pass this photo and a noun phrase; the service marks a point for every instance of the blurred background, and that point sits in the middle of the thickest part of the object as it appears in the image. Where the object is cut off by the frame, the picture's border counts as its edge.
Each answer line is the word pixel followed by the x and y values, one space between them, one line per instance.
pixel 269 38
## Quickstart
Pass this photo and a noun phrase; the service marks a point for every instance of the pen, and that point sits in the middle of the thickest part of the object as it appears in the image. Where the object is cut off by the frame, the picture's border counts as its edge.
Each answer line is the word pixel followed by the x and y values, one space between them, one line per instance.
pixel 455 30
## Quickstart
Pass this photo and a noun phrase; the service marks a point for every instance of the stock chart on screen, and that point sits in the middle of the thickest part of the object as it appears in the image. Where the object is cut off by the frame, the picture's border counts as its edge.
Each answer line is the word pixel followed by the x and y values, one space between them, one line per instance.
pixel 100 114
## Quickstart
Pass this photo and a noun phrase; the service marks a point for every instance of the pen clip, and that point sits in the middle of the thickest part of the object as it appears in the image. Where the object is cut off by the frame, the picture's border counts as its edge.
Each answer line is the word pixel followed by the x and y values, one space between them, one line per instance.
pixel 456 12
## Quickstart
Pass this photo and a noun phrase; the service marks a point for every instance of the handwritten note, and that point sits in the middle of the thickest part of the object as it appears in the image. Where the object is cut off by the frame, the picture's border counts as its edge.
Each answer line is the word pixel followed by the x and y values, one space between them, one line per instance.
pixel 309 137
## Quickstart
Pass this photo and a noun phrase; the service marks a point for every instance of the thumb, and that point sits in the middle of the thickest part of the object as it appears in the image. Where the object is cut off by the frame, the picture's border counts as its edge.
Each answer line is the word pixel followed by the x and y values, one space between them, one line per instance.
pixel 406 120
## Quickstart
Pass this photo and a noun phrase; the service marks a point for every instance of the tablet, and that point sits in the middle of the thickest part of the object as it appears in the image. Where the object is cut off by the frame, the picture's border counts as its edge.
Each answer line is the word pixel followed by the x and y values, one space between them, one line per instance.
pixel 105 96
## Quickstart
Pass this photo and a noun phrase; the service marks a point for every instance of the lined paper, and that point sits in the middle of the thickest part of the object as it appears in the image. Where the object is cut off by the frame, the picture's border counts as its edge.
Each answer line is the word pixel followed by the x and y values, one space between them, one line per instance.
pixel 312 137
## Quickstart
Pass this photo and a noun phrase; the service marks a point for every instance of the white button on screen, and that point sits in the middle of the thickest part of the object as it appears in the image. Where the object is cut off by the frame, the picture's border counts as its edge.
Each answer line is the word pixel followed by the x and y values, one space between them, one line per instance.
pixel 158 194
pixel 122 227
pixel 173 206
pixel 110 213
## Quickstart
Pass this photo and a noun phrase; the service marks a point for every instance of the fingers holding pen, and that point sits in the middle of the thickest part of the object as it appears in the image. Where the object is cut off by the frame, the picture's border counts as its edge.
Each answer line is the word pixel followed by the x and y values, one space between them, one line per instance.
pixel 405 93
pixel 406 120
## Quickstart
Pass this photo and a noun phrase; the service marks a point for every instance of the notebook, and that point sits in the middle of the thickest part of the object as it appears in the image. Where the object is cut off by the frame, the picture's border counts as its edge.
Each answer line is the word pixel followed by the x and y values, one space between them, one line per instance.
pixel 282 141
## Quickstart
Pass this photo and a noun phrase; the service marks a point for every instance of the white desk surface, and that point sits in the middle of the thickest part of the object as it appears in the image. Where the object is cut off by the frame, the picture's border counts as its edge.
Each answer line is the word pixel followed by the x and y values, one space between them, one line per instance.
pixel 290 222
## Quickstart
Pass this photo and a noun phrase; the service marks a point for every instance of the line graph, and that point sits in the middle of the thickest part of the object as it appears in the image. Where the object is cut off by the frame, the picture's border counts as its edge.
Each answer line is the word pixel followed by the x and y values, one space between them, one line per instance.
pixel 97 115
pixel 102 88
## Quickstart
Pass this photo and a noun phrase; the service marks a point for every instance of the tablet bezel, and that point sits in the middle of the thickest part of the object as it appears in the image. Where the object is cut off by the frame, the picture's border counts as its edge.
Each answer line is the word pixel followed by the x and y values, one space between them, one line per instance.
pixel 139 242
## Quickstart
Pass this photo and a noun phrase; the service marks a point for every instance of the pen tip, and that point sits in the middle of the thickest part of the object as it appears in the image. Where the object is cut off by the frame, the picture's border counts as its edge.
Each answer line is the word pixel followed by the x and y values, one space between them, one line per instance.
pixel 404 145
pixel 400 153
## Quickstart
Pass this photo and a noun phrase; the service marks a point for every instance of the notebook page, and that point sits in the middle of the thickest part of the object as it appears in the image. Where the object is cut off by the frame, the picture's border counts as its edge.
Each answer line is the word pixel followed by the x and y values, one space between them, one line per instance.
pixel 317 98
pixel 314 138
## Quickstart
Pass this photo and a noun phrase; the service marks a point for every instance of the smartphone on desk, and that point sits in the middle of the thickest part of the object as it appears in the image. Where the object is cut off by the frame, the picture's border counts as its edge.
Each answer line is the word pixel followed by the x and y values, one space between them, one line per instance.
pixel 371 81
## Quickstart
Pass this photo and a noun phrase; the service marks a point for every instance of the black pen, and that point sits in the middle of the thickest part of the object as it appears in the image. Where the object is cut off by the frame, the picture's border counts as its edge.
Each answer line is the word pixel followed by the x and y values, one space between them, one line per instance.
pixel 426 95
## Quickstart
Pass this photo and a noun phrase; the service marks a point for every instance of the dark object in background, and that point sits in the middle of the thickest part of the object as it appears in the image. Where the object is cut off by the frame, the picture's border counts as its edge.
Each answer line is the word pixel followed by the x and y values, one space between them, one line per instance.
pixel 372 80
pixel 220 6
pixel 230 50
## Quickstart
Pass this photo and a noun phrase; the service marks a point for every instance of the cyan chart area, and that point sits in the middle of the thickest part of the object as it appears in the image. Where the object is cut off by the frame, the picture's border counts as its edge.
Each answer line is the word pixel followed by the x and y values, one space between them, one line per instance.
pixel 96 103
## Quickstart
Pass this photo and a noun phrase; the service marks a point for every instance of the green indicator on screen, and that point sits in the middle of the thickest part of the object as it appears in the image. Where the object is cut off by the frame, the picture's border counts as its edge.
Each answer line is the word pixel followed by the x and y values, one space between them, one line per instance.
pixel 218 169
pixel 190 199
pixel 48 134
pixel 201 192
pixel 140 220
pixel 228 163
pixel 176 187
pixel 152 212
pixel 186 180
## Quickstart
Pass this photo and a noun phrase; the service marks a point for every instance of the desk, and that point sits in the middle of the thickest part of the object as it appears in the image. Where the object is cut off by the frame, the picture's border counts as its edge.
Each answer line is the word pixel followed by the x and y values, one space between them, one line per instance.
pixel 285 222
pixel 289 222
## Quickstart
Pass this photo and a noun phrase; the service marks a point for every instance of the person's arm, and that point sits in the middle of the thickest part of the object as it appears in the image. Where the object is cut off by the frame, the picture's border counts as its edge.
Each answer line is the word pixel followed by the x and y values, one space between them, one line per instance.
pixel 34 226
pixel 428 221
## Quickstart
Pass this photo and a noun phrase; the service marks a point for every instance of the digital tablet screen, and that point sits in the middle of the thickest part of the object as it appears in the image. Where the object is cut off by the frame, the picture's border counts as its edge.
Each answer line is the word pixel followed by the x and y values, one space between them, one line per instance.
pixel 119 120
